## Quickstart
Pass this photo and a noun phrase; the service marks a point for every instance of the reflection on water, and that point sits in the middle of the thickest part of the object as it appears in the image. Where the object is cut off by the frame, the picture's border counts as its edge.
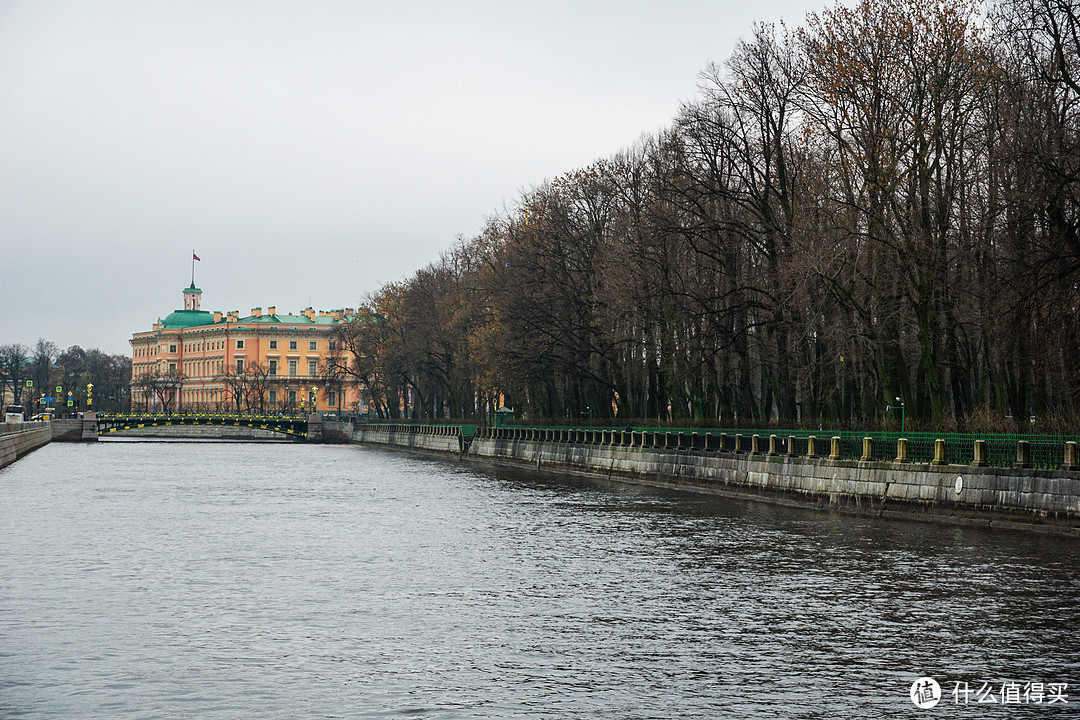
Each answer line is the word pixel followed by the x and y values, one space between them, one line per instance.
pixel 284 581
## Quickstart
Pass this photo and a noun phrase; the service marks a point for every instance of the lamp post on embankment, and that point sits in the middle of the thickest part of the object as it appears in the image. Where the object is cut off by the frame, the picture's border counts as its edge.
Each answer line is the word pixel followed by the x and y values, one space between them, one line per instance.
pixel 899 407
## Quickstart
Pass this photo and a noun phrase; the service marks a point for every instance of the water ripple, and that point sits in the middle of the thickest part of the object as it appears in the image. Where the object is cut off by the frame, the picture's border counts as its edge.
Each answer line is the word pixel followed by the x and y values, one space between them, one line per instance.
pixel 142 580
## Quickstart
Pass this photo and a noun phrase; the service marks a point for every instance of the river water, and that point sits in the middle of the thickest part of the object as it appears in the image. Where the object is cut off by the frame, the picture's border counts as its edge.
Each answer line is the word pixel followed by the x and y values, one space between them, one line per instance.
pixel 231 580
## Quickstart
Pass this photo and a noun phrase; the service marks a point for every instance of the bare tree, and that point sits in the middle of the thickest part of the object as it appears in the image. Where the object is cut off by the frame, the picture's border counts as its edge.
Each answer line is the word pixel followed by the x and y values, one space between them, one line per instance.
pixel 14 370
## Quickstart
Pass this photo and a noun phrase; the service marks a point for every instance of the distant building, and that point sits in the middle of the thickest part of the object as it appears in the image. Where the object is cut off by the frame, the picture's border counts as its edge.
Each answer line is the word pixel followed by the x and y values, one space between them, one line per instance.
pixel 194 360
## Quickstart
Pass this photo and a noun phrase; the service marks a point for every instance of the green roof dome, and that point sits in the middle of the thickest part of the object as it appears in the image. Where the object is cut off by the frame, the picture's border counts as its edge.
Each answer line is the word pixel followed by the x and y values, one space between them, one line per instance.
pixel 188 318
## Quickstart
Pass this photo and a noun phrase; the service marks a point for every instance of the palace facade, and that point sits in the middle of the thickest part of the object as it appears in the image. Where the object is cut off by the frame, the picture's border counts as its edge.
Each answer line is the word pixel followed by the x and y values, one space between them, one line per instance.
pixel 199 361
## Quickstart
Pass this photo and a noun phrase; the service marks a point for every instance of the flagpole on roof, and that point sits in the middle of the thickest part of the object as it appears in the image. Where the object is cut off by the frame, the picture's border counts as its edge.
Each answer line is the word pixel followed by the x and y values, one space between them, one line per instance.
pixel 192 267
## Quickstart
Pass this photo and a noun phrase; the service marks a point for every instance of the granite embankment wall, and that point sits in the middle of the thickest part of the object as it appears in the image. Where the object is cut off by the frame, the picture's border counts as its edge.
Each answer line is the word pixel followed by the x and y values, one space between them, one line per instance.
pixel 75 430
pixel 18 439
pixel 1009 498
pixel 201 432
pixel 443 439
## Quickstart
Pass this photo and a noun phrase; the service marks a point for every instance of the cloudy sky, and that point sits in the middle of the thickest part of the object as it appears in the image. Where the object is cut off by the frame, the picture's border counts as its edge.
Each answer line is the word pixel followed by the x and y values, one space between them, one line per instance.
pixel 308 151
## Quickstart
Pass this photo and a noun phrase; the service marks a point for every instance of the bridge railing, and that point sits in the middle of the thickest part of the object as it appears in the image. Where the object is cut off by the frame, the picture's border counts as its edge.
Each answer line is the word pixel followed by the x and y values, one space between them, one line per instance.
pixel 289 424
pixel 211 415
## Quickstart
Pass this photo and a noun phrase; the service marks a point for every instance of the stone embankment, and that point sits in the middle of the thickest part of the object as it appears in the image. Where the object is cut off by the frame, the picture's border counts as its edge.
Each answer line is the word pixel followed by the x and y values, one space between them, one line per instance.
pixel 1006 498
pixel 202 432
pixel 18 439
pixel 437 438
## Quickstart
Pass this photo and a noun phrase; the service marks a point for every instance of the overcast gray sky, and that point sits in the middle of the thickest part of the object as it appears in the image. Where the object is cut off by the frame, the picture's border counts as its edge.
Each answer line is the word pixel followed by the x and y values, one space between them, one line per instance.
pixel 308 151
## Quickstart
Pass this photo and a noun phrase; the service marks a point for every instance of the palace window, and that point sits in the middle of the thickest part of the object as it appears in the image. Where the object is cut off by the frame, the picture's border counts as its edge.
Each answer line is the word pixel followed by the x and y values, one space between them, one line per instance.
pixel 273 397
pixel 292 344
pixel 239 366
pixel 273 367
pixel 239 344
pixel 313 345
pixel 312 367
pixel 292 367
pixel 273 344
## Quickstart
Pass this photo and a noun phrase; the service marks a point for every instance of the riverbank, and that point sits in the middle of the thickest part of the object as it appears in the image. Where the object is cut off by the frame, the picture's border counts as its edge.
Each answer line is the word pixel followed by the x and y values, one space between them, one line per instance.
pixel 1019 498
pixel 18 439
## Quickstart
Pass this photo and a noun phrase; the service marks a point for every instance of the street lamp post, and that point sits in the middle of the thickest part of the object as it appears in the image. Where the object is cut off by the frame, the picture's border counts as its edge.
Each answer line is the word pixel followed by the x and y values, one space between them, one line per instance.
pixel 899 407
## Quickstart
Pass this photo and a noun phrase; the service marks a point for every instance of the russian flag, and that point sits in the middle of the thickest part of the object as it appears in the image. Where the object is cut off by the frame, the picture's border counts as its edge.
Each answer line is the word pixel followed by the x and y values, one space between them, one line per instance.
pixel 195 257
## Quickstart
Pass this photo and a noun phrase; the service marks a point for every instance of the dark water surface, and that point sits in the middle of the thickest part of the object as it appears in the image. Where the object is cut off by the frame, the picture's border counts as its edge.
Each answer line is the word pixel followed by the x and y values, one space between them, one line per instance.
pixel 209 580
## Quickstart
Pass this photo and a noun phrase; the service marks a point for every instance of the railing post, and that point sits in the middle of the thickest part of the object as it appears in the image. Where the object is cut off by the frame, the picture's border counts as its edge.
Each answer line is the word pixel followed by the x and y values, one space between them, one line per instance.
pixel 791 446
pixel 738 442
pixel 1070 456
pixel 834 449
pixel 810 447
pixel 772 446
pixel 978 458
pixel 755 444
pixel 901 450
pixel 939 452
pixel 867 449
pixel 1023 454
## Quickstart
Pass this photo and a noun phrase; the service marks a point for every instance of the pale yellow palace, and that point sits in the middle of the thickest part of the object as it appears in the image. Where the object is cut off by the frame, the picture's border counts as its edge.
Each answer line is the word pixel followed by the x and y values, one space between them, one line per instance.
pixel 199 361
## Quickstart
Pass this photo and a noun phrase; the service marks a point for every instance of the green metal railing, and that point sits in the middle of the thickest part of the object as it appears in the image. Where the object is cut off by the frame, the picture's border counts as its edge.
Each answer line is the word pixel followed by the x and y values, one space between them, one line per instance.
pixel 289 424
pixel 1046 451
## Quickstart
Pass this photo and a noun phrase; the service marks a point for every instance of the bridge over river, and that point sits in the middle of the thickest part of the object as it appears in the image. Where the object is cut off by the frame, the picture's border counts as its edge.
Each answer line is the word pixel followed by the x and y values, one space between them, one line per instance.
pixel 300 427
